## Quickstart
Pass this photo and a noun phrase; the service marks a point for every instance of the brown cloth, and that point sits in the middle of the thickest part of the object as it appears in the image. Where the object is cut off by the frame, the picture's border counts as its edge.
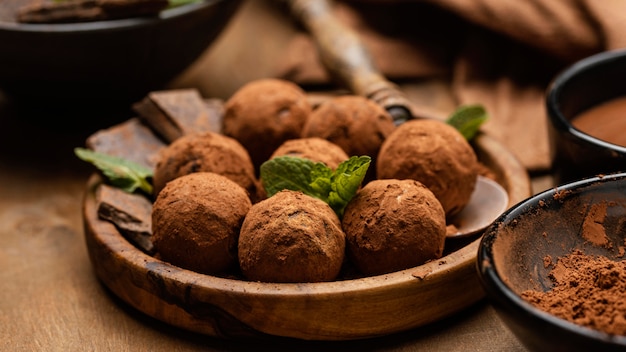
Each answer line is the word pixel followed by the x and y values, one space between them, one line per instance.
pixel 502 54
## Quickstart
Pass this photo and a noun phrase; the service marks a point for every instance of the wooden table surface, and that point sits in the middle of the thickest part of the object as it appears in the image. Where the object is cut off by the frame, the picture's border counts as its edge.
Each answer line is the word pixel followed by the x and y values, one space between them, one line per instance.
pixel 50 299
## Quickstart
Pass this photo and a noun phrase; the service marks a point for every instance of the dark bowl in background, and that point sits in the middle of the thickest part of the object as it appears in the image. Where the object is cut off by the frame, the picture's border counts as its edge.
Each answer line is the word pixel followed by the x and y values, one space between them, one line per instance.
pixel 511 259
pixel 107 61
pixel 583 85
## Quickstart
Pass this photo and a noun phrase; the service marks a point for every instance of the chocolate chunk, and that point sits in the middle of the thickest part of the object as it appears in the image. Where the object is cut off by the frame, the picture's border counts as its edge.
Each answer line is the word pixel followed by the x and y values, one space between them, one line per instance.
pixel 157 119
pixel 131 140
pixel 131 214
pixel 87 10
pixel 177 112
pixel 215 110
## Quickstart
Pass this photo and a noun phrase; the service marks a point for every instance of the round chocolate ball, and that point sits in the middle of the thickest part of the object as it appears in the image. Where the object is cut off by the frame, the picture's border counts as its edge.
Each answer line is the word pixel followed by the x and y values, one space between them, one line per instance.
pixel 196 221
pixel 356 124
pixel 437 155
pixel 207 152
pixel 291 237
pixel 314 149
pixel 263 114
pixel 392 225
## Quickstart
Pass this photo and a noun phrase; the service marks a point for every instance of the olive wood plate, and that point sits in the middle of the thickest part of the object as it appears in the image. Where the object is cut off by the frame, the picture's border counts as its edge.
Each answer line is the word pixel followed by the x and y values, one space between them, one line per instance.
pixel 339 310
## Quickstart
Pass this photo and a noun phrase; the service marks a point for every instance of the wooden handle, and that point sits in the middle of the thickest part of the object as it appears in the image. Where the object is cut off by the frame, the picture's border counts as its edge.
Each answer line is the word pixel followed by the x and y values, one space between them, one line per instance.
pixel 347 59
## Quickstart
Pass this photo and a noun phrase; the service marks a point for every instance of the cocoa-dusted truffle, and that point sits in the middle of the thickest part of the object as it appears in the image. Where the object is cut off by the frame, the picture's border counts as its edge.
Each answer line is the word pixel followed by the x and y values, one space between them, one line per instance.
pixel 392 225
pixel 437 155
pixel 196 220
pixel 207 152
pixel 263 114
pixel 314 149
pixel 356 124
pixel 291 237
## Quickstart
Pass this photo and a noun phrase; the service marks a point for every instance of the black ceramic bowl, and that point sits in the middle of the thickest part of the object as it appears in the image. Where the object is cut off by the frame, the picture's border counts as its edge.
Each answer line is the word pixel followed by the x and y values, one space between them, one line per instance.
pixel 585 84
pixel 107 60
pixel 512 251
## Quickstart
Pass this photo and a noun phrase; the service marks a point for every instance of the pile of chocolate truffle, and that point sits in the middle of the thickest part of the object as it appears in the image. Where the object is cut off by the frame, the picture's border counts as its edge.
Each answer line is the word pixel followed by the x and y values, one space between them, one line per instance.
pixel 212 215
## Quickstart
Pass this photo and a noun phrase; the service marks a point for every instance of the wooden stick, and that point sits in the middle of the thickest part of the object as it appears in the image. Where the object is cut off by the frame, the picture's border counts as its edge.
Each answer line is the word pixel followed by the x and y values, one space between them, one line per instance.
pixel 347 59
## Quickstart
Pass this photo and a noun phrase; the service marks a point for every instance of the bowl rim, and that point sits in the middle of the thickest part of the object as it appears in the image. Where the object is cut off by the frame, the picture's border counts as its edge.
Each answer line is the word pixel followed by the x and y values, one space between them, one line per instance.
pixel 561 80
pixel 497 289
pixel 108 25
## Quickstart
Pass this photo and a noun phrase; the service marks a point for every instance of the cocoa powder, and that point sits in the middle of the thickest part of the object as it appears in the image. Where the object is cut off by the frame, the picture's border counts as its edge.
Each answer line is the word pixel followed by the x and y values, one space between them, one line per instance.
pixel 588 291
pixel 593 225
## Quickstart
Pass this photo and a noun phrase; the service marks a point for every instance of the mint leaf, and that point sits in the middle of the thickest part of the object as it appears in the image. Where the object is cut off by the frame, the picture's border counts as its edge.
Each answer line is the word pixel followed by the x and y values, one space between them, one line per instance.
pixel 321 180
pixel 336 188
pixel 122 173
pixel 287 172
pixel 176 3
pixel 468 119
pixel 345 182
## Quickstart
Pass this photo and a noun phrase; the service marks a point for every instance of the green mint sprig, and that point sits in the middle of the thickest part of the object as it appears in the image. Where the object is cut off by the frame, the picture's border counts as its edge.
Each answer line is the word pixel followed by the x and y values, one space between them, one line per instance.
pixel 468 119
pixel 336 188
pixel 176 3
pixel 122 173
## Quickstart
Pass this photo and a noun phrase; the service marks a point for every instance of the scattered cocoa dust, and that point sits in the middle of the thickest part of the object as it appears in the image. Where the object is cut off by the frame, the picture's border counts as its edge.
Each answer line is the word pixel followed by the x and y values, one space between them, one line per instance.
pixel 560 194
pixel 588 291
pixel 547 261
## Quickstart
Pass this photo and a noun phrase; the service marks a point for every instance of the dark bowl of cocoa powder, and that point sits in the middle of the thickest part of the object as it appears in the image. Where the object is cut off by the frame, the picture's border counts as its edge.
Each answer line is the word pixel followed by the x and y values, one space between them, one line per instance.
pixel 554 266
pixel 586 106
pixel 111 57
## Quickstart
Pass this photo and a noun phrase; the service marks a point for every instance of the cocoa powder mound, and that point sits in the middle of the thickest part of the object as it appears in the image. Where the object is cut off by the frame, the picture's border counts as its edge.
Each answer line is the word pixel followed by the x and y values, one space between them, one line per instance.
pixel 588 291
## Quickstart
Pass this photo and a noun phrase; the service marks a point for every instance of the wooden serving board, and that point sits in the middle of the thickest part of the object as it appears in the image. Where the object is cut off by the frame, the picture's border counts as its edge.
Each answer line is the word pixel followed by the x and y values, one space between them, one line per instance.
pixel 340 310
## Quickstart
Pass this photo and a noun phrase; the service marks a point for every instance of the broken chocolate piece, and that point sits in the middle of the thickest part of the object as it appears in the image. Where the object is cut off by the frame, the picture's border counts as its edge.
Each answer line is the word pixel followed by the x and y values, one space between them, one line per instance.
pixel 174 113
pixel 215 109
pixel 131 140
pixel 131 214
pixel 88 10
pixel 184 107
pixel 155 118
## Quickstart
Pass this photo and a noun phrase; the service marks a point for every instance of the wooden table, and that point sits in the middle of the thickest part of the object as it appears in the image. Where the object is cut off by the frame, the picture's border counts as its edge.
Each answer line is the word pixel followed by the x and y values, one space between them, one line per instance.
pixel 50 299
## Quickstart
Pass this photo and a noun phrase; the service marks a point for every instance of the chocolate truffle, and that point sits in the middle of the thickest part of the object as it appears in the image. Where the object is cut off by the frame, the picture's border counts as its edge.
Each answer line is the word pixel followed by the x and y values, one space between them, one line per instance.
pixel 356 124
pixel 437 155
pixel 392 225
pixel 291 237
pixel 314 149
pixel 207 152
pixel 263 114
pixel 196 220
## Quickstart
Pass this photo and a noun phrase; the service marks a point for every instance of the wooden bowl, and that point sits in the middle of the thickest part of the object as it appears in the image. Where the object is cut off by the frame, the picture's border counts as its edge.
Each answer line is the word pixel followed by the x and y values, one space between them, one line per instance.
pixel 340 310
